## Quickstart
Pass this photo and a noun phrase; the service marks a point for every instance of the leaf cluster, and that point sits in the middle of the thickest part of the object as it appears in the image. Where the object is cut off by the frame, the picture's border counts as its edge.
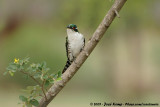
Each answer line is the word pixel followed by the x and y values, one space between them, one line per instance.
pixel 37 72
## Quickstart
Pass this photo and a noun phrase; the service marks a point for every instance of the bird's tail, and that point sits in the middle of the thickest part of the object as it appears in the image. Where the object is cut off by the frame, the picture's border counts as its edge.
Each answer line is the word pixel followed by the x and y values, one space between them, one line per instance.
pixel 68 63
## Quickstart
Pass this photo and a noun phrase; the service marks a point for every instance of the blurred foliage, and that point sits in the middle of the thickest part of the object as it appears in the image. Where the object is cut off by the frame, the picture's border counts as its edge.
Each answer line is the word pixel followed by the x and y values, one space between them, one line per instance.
pixel 125 63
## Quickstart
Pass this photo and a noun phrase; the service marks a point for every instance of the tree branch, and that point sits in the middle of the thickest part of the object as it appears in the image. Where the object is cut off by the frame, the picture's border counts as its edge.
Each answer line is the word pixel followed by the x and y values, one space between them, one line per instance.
pixel 98 34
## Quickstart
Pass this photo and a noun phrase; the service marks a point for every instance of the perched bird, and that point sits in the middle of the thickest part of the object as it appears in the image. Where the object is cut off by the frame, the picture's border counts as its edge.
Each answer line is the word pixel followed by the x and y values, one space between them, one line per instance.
pixel 75 42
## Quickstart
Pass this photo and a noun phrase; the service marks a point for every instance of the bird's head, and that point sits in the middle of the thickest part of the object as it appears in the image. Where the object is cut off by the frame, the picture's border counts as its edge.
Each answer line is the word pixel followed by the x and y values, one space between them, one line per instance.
pixel 72 27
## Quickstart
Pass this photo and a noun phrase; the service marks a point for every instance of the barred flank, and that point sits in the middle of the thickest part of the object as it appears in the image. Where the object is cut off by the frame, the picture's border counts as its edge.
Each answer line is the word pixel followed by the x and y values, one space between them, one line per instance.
pixel 68 63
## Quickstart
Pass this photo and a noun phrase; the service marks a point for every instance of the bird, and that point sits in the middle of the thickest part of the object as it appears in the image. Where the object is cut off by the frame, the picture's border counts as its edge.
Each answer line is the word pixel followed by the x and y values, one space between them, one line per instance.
pixel 75 43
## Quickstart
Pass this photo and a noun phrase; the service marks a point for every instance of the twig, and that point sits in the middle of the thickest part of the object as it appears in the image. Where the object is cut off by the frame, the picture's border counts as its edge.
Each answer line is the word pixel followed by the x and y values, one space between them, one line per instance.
pixel 117 13
pixel 54 79
pixel 31 77
pixel 69 73
pixel 42 86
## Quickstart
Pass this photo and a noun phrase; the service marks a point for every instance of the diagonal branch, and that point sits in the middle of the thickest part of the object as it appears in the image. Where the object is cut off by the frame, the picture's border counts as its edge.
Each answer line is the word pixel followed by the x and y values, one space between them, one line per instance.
pixel 98 34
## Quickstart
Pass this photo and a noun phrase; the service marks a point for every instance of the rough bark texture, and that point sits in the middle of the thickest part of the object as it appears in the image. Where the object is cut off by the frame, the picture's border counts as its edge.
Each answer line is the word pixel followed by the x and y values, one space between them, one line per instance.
pixel 98 34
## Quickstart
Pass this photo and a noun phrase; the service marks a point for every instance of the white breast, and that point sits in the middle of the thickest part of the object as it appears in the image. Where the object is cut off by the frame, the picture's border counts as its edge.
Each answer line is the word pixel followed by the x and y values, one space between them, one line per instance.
pixel 76 42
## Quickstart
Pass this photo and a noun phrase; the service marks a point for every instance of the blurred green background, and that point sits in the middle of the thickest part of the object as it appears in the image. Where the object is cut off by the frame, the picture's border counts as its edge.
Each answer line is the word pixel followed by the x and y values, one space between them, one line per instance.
pixel 124 67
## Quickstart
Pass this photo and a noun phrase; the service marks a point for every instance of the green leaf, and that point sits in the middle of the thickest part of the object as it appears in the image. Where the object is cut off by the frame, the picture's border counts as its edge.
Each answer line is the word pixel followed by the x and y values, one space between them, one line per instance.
pixel 5 73
pixel 11 73
pixel 30 87
pixel 26 77
pixel 51 81
pixel 34 102
pixel 43 64
pixel 37 75
pixel 33 65
pixel 21 63
pixel 8 68
pixel 26 60
pixel 26 91
pixel 21 67
pixel 38 88
pixel 23 105
pixel 34 91
pixel 47 83
pixel 59 79
pixel 45 77
pixel 46 69
pixel 12 67
pixel 59 74
pixel 53 75
pixel 19 103
pixel 23 98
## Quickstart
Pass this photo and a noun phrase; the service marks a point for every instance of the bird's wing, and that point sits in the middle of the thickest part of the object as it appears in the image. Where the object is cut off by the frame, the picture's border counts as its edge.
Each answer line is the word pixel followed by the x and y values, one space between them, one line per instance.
pixel 84 42
pixel 67 45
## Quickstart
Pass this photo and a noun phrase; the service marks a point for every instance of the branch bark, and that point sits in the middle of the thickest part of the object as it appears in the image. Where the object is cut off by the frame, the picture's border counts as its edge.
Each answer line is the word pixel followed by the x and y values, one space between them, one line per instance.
pixel 98 34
